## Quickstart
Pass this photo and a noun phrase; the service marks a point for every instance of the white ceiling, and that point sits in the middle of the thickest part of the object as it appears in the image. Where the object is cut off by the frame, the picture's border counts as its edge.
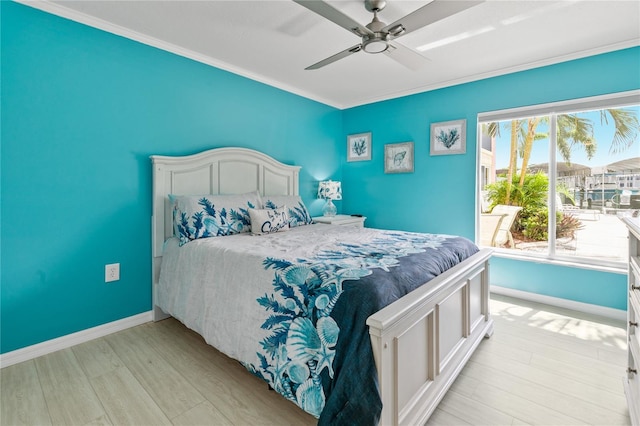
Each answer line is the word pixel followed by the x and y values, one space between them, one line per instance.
pixel 273 41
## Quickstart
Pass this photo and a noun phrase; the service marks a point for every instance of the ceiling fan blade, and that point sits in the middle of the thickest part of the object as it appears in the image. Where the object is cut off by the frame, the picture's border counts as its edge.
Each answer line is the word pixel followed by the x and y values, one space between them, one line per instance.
pixel 337 56
pixel 428 14
pixel 406 56
pixel 334 15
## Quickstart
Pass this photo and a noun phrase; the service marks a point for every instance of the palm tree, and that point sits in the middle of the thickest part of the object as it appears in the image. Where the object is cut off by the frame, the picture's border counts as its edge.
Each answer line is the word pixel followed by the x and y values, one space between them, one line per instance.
pixel 572 131
pixel 527 144
pixel 523 134
pixel 513 159
pixel 626 125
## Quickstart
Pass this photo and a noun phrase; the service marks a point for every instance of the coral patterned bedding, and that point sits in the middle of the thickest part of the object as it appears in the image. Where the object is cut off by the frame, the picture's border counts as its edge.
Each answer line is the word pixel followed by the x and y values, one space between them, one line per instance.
pixel 292 306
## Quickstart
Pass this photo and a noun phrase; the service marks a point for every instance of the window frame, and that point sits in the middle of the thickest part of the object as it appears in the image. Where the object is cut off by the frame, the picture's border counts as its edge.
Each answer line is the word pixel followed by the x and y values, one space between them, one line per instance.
pixel 552 110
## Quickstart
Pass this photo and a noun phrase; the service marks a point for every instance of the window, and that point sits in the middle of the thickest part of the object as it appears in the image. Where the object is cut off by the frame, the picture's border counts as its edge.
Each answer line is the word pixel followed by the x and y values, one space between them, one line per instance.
pixel 571 167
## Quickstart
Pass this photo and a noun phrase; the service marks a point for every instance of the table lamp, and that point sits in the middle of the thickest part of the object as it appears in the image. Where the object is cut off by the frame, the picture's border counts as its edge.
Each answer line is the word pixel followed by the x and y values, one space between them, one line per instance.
pixel 330 190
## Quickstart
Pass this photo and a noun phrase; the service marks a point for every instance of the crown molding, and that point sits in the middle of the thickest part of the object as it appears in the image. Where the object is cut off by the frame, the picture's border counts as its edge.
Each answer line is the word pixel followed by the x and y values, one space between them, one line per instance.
pixel 92 21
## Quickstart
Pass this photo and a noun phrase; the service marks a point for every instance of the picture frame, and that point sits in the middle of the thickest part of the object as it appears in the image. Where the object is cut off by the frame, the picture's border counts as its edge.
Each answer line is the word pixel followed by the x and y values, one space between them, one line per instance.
pixel 448 137
pixel 398 157
pixel 359 147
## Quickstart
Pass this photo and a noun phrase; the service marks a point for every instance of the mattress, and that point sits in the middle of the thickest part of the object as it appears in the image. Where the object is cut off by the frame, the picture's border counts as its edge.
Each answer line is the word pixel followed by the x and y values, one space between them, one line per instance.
pixel 292 306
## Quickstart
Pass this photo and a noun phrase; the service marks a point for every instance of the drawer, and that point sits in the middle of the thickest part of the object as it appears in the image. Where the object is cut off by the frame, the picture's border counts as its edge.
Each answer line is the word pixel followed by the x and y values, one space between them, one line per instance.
pixel 634 268
pixel 633 327
pixel 634 298
pixel 634 272
pixel 632 384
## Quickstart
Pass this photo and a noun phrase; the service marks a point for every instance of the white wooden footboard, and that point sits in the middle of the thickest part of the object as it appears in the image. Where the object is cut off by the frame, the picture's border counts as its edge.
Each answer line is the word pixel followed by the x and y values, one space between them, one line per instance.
pixel 422 341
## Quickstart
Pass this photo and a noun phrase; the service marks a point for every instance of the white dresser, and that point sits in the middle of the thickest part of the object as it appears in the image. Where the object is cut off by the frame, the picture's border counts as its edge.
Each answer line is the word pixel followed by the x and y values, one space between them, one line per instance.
pixel 632 379
pixel 341 219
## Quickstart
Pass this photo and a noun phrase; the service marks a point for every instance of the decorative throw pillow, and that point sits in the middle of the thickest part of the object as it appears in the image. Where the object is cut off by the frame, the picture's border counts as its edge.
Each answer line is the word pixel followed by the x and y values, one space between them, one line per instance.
pixel 269 221
pixel 204 216
pixel 298 213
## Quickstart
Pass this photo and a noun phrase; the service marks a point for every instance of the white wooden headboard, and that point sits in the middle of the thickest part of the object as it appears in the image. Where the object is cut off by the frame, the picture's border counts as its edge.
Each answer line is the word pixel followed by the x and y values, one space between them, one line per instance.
pixel 216 171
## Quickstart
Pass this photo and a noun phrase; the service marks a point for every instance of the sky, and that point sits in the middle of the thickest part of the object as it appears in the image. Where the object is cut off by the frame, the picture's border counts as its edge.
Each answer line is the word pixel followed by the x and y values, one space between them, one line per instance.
pixel 603 134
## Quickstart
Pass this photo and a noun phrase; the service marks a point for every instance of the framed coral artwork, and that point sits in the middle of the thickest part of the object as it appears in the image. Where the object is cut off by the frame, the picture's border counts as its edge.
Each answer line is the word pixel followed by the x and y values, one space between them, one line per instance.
pixel 448 137
pixel 359 147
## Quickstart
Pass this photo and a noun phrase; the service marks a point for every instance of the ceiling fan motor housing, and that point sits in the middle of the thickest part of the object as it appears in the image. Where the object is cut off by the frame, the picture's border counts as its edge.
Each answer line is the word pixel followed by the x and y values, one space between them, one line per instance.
pixel 374 5
pixel 376 42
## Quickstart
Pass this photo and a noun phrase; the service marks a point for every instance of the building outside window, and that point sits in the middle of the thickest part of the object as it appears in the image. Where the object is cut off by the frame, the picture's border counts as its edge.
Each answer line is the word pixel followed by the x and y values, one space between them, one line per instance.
pixel 555 179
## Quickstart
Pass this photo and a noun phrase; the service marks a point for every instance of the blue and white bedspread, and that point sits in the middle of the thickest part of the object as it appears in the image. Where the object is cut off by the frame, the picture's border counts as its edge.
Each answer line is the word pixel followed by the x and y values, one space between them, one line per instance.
pixel 292 306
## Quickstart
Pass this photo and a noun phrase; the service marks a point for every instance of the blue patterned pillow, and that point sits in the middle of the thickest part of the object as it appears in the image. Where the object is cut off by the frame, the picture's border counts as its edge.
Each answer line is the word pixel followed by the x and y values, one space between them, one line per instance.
pixel 205 216
pixel 269 221
pixel 298 213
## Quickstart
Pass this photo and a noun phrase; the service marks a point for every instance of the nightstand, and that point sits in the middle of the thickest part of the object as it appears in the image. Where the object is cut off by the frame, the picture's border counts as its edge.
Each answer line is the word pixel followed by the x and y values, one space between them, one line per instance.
pixel 341 219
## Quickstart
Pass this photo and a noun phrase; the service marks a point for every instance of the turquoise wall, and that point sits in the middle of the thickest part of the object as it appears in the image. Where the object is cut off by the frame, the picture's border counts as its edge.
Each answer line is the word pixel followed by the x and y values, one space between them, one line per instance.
pixel 82 111
pixel 439 196
pixel 578 284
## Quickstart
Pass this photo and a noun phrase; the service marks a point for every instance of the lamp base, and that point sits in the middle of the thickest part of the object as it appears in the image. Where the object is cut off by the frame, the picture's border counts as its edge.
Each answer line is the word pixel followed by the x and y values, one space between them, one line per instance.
pixel 329 209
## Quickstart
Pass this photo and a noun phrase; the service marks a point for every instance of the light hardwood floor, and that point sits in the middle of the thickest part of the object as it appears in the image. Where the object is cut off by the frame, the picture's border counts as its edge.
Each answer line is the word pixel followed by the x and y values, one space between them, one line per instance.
pixel 543 365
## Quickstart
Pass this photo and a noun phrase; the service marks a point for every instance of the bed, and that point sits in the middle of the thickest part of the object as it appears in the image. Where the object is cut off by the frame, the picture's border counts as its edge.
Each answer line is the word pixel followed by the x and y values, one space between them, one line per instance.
pixel 418 343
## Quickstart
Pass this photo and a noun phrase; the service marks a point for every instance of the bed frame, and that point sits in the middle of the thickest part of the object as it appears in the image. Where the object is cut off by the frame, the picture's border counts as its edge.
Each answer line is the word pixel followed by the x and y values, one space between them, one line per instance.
pixel 420 342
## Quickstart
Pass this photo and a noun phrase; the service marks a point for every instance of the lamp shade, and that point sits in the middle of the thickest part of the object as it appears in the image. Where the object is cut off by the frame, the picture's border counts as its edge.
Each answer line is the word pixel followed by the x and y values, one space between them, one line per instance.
pixel 330 190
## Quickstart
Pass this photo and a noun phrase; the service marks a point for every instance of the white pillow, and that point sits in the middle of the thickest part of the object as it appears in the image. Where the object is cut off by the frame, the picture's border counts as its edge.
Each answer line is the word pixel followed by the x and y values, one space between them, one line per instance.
pixel 298 212
pixel 269 221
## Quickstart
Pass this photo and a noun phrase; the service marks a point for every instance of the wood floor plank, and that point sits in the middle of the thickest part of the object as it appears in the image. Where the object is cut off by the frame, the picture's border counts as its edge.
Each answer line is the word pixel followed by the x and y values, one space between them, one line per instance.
pixel 126 401
pixel 202 414
pixel 467 388
pixel 593 375
pixel 572 334
pixel 597 395
pixel 617 357
pixel 240 396
pixel 69 395
pixel 547 395
pixel 501 303
pixel 545 340
pixel 96 357
pixel 472 411
pixel 569 364
pixel 442 418
pixel 517 406
pixel 21 396
pixel 507 349
pixel 518 422
pixel 171 391
pixel 100 421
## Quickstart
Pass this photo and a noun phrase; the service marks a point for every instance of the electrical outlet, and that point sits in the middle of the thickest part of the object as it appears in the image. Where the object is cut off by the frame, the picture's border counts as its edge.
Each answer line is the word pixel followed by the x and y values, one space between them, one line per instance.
pixel 111 272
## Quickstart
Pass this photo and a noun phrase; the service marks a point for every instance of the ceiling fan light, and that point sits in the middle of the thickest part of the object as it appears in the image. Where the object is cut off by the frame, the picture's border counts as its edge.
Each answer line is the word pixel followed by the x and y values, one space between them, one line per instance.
pixel 375 46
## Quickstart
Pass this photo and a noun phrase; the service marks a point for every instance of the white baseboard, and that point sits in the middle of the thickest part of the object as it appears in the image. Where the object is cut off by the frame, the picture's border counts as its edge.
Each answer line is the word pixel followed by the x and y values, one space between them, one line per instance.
pixel 34 351
pixel 602 311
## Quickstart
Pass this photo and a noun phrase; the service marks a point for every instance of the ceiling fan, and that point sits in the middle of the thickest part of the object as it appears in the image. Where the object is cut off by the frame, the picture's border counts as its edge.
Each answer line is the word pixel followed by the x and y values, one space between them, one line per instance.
pixel 377 36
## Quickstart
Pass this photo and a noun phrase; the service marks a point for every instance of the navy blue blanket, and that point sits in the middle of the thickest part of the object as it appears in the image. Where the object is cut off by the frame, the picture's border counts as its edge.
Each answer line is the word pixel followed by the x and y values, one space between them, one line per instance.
pixel 319 353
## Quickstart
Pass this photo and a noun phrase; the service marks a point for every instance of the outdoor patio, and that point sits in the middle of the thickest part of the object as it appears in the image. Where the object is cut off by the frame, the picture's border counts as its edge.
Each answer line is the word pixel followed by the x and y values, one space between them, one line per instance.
pixel 603 236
